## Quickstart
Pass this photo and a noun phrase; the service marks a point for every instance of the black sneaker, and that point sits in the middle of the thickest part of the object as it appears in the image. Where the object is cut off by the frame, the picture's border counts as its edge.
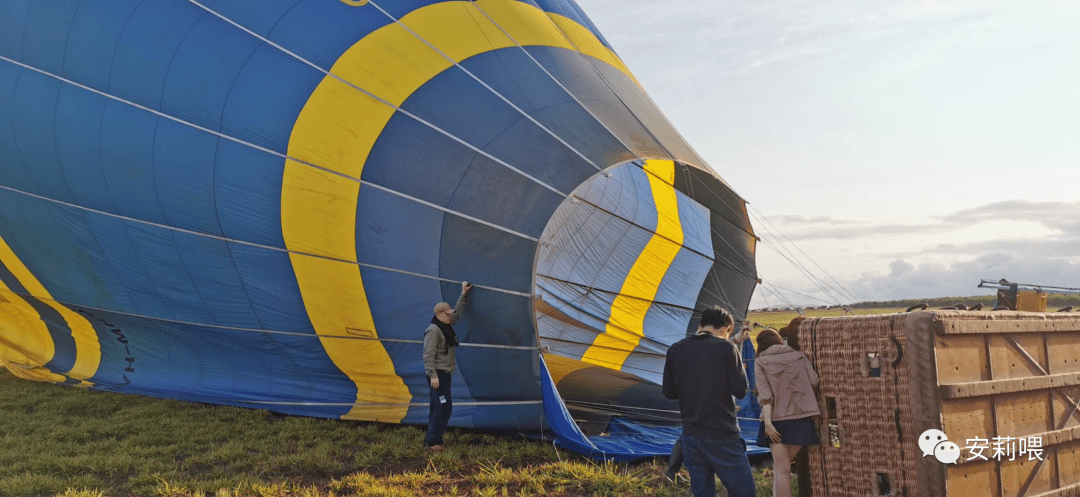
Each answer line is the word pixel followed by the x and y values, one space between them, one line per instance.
pixel 671 475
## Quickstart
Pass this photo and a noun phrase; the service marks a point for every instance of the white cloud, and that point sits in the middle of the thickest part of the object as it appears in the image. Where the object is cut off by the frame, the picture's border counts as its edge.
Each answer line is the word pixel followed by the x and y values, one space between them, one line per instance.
pixel 905 280
pixel 830 107
pixel 1047 218
pixel 893 129
pixel 1026 241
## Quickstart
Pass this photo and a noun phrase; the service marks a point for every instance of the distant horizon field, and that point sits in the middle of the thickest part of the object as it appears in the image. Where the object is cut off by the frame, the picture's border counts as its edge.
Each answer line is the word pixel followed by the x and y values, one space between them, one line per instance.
pixel 780 319
pixel 1054 301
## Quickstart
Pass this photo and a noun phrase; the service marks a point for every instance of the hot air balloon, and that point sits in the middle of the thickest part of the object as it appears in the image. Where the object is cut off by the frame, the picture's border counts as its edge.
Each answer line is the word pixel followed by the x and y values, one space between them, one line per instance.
pixel 258 205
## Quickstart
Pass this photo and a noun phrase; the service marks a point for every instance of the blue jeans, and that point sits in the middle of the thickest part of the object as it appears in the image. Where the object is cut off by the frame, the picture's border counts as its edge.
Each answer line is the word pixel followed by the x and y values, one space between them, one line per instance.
pixel 439 410
pixel 707 457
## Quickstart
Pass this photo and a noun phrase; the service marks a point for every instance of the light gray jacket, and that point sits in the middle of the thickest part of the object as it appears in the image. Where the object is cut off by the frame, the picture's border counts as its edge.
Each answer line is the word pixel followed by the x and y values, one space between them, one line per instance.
pixel 437 354
pixel 786 379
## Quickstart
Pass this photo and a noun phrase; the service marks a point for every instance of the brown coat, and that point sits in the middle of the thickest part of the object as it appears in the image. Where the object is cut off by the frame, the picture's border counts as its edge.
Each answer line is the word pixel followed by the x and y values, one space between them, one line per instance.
pixel 786 380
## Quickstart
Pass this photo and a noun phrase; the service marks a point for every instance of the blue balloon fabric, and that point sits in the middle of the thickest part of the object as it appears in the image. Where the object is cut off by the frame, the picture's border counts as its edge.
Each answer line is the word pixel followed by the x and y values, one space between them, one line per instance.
pixel 259 206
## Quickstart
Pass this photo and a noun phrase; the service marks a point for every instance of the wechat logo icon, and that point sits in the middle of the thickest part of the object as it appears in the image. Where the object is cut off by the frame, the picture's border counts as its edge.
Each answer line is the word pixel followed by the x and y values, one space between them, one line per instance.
pixel 935 443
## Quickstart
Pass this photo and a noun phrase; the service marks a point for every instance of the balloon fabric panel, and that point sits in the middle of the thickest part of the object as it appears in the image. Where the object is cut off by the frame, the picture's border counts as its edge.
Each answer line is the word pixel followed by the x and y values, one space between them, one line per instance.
pixel 259 206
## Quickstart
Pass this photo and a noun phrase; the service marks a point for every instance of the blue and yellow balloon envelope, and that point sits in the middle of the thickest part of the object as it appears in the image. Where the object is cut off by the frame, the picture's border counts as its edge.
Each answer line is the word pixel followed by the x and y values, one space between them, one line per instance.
pixel 259 206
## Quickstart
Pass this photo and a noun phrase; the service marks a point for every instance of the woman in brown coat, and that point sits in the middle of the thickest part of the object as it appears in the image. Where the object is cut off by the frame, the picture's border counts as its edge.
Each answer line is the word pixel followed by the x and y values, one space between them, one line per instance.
pixel 785 384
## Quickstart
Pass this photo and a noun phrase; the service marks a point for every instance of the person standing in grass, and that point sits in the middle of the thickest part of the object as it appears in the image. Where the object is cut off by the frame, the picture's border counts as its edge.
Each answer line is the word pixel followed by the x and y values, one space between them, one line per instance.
pixel 440 347
pixel 675 460
pixel 705 373
pixel 785 384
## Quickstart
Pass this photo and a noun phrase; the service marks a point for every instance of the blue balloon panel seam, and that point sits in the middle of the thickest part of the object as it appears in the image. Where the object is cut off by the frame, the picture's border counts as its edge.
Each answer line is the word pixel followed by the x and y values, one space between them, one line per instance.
pixel 194 207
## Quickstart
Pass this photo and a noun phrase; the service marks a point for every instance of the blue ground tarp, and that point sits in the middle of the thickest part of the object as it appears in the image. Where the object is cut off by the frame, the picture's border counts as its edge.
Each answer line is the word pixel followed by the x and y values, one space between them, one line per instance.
pixel 626 440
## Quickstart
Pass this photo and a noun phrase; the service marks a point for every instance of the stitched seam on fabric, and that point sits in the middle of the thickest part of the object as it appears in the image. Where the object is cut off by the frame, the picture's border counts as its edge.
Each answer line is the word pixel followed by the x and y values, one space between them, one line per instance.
pixel 485 85
pixel 262 149
pixel 251 244
pixel 380 100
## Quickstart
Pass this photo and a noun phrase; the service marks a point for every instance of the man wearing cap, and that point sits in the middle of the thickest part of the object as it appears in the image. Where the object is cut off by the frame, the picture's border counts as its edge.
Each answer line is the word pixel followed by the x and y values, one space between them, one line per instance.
pixel 440 346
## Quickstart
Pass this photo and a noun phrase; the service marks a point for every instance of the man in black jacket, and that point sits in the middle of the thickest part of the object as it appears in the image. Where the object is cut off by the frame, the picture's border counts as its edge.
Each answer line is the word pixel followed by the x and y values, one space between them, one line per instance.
pixel 704 371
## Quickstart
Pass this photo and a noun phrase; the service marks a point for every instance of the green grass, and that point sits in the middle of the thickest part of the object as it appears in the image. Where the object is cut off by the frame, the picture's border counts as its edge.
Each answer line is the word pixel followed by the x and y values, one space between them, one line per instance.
pixel 59 440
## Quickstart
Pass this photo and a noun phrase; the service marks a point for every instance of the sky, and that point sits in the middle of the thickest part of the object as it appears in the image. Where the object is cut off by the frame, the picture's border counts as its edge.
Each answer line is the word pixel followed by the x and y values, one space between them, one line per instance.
pixel 895 149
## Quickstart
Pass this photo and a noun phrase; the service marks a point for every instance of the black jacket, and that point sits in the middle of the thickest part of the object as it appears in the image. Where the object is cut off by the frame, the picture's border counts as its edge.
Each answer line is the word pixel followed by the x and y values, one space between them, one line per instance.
pixel 704 372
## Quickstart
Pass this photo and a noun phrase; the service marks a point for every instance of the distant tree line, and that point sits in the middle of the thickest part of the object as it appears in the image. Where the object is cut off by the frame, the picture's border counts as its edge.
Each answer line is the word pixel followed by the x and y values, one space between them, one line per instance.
pixel 987 301
pixel 1055 301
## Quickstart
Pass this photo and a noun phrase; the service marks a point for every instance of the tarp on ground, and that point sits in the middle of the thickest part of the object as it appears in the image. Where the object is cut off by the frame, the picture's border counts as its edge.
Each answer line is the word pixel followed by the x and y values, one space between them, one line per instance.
pixel 624 440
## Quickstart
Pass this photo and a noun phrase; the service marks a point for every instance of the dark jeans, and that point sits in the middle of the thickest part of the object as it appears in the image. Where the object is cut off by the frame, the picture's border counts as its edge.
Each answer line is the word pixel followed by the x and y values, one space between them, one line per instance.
pixel 724 458
pixel 439 410
pixel 675 460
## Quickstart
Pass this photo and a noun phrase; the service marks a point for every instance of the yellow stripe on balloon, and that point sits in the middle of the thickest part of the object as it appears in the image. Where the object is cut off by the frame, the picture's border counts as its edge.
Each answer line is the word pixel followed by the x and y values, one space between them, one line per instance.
pixel 559 367
pixel 37 373
pixel 625 327
pixel 40 348
pixel 337 129
pixel 24 338
pixel 527 25
pixel 587 43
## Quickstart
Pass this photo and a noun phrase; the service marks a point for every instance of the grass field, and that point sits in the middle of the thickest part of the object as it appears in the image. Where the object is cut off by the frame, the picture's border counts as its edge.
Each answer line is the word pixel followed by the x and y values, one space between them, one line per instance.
pixel 59 440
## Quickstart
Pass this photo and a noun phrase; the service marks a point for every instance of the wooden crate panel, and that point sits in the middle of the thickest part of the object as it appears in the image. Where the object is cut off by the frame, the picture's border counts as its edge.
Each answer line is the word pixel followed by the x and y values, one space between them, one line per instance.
pixel 1064 407
pixel 962 359
pixel 1064 352
pixel 1008 361
pixel 1023 413
pixel 972 480
pixel 963 322
pixel 967 419
pixel 1068 460
pixel 1015 474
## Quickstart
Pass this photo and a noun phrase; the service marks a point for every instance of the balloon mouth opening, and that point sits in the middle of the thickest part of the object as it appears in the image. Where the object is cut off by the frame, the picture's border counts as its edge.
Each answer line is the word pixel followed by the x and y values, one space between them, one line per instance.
pixel 584 259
